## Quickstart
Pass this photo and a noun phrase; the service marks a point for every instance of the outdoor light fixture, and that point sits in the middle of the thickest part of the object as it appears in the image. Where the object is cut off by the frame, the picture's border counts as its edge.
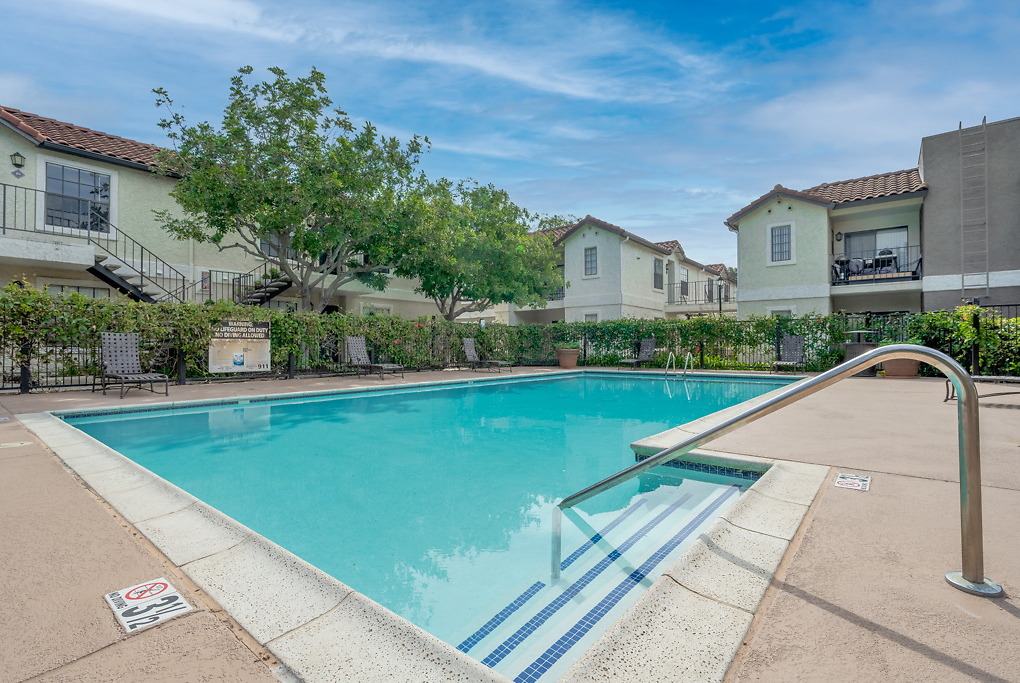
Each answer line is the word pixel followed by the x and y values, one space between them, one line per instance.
pixel 839 237
pixel 18 159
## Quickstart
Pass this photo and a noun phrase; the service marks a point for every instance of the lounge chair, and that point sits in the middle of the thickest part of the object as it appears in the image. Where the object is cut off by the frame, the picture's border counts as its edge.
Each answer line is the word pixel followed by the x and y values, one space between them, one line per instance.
pixel 357 357
pixel 121 363
pixel 791 353
pixel 475 361
pixel 645 353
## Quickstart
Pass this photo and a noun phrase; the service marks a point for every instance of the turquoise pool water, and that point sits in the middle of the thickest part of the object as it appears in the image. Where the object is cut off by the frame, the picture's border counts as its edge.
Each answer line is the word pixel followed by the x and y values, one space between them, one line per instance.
pixel 436 501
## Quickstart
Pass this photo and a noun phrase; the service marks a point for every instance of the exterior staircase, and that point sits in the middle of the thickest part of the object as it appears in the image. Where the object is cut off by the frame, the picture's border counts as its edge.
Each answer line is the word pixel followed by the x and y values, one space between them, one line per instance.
pixel 121 261
pixel 260 285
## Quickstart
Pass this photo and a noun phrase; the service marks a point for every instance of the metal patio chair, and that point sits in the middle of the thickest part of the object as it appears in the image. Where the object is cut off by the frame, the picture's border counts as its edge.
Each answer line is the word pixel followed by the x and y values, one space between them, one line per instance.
pixel 357 357
pixel 791 353
pixel 472 357
pixel 645 353
pixel 121 363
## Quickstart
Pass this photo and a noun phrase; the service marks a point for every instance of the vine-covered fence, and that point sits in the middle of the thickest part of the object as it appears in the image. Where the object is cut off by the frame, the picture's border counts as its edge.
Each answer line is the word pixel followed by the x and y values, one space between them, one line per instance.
pixel 53 341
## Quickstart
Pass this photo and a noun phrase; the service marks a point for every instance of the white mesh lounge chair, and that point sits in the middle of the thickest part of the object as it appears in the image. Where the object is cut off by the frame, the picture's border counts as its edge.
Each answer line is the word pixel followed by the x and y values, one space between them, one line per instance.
pixel 472 357
pixel 645 354
pixel 357 357
pixel 121 364
pixel 791 353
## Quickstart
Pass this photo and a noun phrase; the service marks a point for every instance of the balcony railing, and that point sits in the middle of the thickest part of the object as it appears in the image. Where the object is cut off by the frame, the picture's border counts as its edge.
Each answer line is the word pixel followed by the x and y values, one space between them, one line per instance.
pixel 698 292
pixel 881 265
pixel 559 294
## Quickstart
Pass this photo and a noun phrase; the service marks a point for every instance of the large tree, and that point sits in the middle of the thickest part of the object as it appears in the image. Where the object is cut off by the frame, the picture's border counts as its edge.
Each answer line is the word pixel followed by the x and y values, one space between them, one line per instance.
pixel 480 252
pixel 287 179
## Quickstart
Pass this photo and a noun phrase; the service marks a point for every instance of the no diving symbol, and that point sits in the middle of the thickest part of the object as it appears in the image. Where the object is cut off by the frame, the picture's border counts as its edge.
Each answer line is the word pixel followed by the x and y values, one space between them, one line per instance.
pixel 144 591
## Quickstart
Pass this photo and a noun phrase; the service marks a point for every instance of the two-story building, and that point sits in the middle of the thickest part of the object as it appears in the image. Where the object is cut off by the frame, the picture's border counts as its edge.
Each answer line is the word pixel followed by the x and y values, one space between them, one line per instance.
pixel 924 238
pixel 76 214
pixel 610 273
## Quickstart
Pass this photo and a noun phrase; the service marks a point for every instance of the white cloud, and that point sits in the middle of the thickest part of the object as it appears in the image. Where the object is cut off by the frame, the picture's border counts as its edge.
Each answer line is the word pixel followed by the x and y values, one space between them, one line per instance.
pixel 238 16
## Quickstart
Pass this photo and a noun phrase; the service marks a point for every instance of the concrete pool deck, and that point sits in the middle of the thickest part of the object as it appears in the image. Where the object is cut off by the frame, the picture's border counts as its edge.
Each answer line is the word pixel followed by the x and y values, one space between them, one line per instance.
pixel 859 595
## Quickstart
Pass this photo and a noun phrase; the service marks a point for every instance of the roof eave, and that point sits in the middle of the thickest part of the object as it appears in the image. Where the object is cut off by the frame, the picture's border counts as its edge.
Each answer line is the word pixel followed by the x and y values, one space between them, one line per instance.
pixel 854 203
pixel 94 156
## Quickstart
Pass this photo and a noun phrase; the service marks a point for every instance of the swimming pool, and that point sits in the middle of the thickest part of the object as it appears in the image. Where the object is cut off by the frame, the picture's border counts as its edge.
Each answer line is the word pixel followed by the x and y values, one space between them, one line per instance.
pixel 422 524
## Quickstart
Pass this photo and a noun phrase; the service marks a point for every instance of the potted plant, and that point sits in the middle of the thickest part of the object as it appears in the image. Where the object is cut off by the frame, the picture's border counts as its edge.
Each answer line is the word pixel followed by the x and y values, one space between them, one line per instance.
pixel 900 367
pixel 566 354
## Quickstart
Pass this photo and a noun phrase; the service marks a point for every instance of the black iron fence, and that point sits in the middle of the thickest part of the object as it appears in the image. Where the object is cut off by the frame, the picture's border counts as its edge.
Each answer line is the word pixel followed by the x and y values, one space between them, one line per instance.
pixel 49 342
pixel 698 292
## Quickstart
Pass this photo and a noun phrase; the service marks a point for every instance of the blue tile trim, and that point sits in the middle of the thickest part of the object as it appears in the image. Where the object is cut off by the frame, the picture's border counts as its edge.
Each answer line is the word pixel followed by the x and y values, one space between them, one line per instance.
pixel 519 601
pixel 736 472
pixel 537 668
pixel 521 634
pixel 500 617
pixel 590 543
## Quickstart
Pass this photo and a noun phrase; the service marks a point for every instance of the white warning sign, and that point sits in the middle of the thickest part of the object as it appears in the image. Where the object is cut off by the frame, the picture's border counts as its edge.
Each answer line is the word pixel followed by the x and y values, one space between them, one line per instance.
pixel 145 604
pixel 853 481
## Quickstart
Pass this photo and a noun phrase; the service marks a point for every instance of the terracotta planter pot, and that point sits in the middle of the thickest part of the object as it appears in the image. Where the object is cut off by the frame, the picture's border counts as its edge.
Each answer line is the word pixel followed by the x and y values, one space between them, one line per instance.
pixel 567 357
pixel 901 367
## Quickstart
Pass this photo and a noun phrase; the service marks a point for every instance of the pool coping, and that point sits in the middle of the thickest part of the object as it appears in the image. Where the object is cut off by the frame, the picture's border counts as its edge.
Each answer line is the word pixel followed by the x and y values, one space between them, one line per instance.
pixel 320 628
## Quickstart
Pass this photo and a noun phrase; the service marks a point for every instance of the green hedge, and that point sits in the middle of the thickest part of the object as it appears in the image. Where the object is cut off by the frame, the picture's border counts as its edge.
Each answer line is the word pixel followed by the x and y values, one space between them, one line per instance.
pixel 63 331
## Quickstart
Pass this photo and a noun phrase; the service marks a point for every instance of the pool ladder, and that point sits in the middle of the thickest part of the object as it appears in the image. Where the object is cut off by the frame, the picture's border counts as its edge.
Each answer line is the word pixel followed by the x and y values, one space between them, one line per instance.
pixel 672 359
pixel 972 579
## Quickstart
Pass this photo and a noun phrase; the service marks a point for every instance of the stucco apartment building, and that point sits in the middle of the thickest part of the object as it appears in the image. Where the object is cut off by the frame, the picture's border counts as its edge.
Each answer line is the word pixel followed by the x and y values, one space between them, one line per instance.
pixel 76 214
pixel 924 238
pixel 610 273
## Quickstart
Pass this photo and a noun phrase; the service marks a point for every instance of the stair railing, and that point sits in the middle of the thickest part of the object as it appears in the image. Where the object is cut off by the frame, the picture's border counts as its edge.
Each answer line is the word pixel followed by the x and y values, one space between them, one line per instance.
pixel 972 578
pixel 24 209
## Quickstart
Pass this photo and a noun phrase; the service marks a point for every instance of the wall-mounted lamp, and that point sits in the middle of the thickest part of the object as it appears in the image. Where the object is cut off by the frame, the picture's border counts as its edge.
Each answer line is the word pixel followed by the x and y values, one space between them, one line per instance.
pixel 18 160
pixel 839 237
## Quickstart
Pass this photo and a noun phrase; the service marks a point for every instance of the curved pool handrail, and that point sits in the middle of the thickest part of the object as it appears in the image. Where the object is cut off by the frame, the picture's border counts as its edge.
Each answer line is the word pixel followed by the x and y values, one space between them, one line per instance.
pixel 972 578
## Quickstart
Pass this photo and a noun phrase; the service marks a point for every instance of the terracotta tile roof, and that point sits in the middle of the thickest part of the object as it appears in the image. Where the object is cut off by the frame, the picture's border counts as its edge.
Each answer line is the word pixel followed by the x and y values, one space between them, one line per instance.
pixel 869 187
pixel 716 267
pixel 556 233
pixel 45 130
pixel 672 245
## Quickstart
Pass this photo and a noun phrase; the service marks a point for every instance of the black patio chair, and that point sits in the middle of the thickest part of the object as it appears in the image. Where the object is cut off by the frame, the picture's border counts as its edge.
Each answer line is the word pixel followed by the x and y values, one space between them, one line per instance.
pixel 791 353
pixel 121 363
pixel 357 357
pixel 645 353
pixel 472 357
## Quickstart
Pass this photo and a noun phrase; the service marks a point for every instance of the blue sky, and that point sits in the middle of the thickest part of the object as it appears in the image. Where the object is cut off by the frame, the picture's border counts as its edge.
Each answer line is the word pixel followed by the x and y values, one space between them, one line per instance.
pixel 661 117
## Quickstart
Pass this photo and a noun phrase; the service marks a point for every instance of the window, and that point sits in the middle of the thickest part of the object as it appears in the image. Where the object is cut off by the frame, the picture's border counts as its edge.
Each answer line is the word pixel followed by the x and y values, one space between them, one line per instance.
pixel 684 276
pixel 781 240
pixel 591 261
pixel 868 244
pixel 657 272
pixel 591 317
pixel 90 292
pixel 77 198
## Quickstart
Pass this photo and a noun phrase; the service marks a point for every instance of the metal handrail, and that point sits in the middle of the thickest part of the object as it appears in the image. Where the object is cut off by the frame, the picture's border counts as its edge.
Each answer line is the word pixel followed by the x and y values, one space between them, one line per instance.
pixel 972 578
pixel 689 358
pixel 670 359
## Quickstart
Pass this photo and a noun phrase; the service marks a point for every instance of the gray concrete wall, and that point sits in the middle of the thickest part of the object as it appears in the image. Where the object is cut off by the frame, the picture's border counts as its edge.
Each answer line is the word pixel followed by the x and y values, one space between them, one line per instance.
pixel 940 168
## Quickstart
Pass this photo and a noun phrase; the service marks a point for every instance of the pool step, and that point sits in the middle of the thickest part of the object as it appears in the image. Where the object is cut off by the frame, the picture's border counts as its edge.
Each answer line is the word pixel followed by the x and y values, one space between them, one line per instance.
pixel 528 639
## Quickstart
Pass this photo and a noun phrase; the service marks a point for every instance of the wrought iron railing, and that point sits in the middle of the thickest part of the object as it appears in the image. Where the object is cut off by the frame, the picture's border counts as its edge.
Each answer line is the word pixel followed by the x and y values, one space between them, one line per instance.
pixel 25 209
pixel 699 292
pixel 877 265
